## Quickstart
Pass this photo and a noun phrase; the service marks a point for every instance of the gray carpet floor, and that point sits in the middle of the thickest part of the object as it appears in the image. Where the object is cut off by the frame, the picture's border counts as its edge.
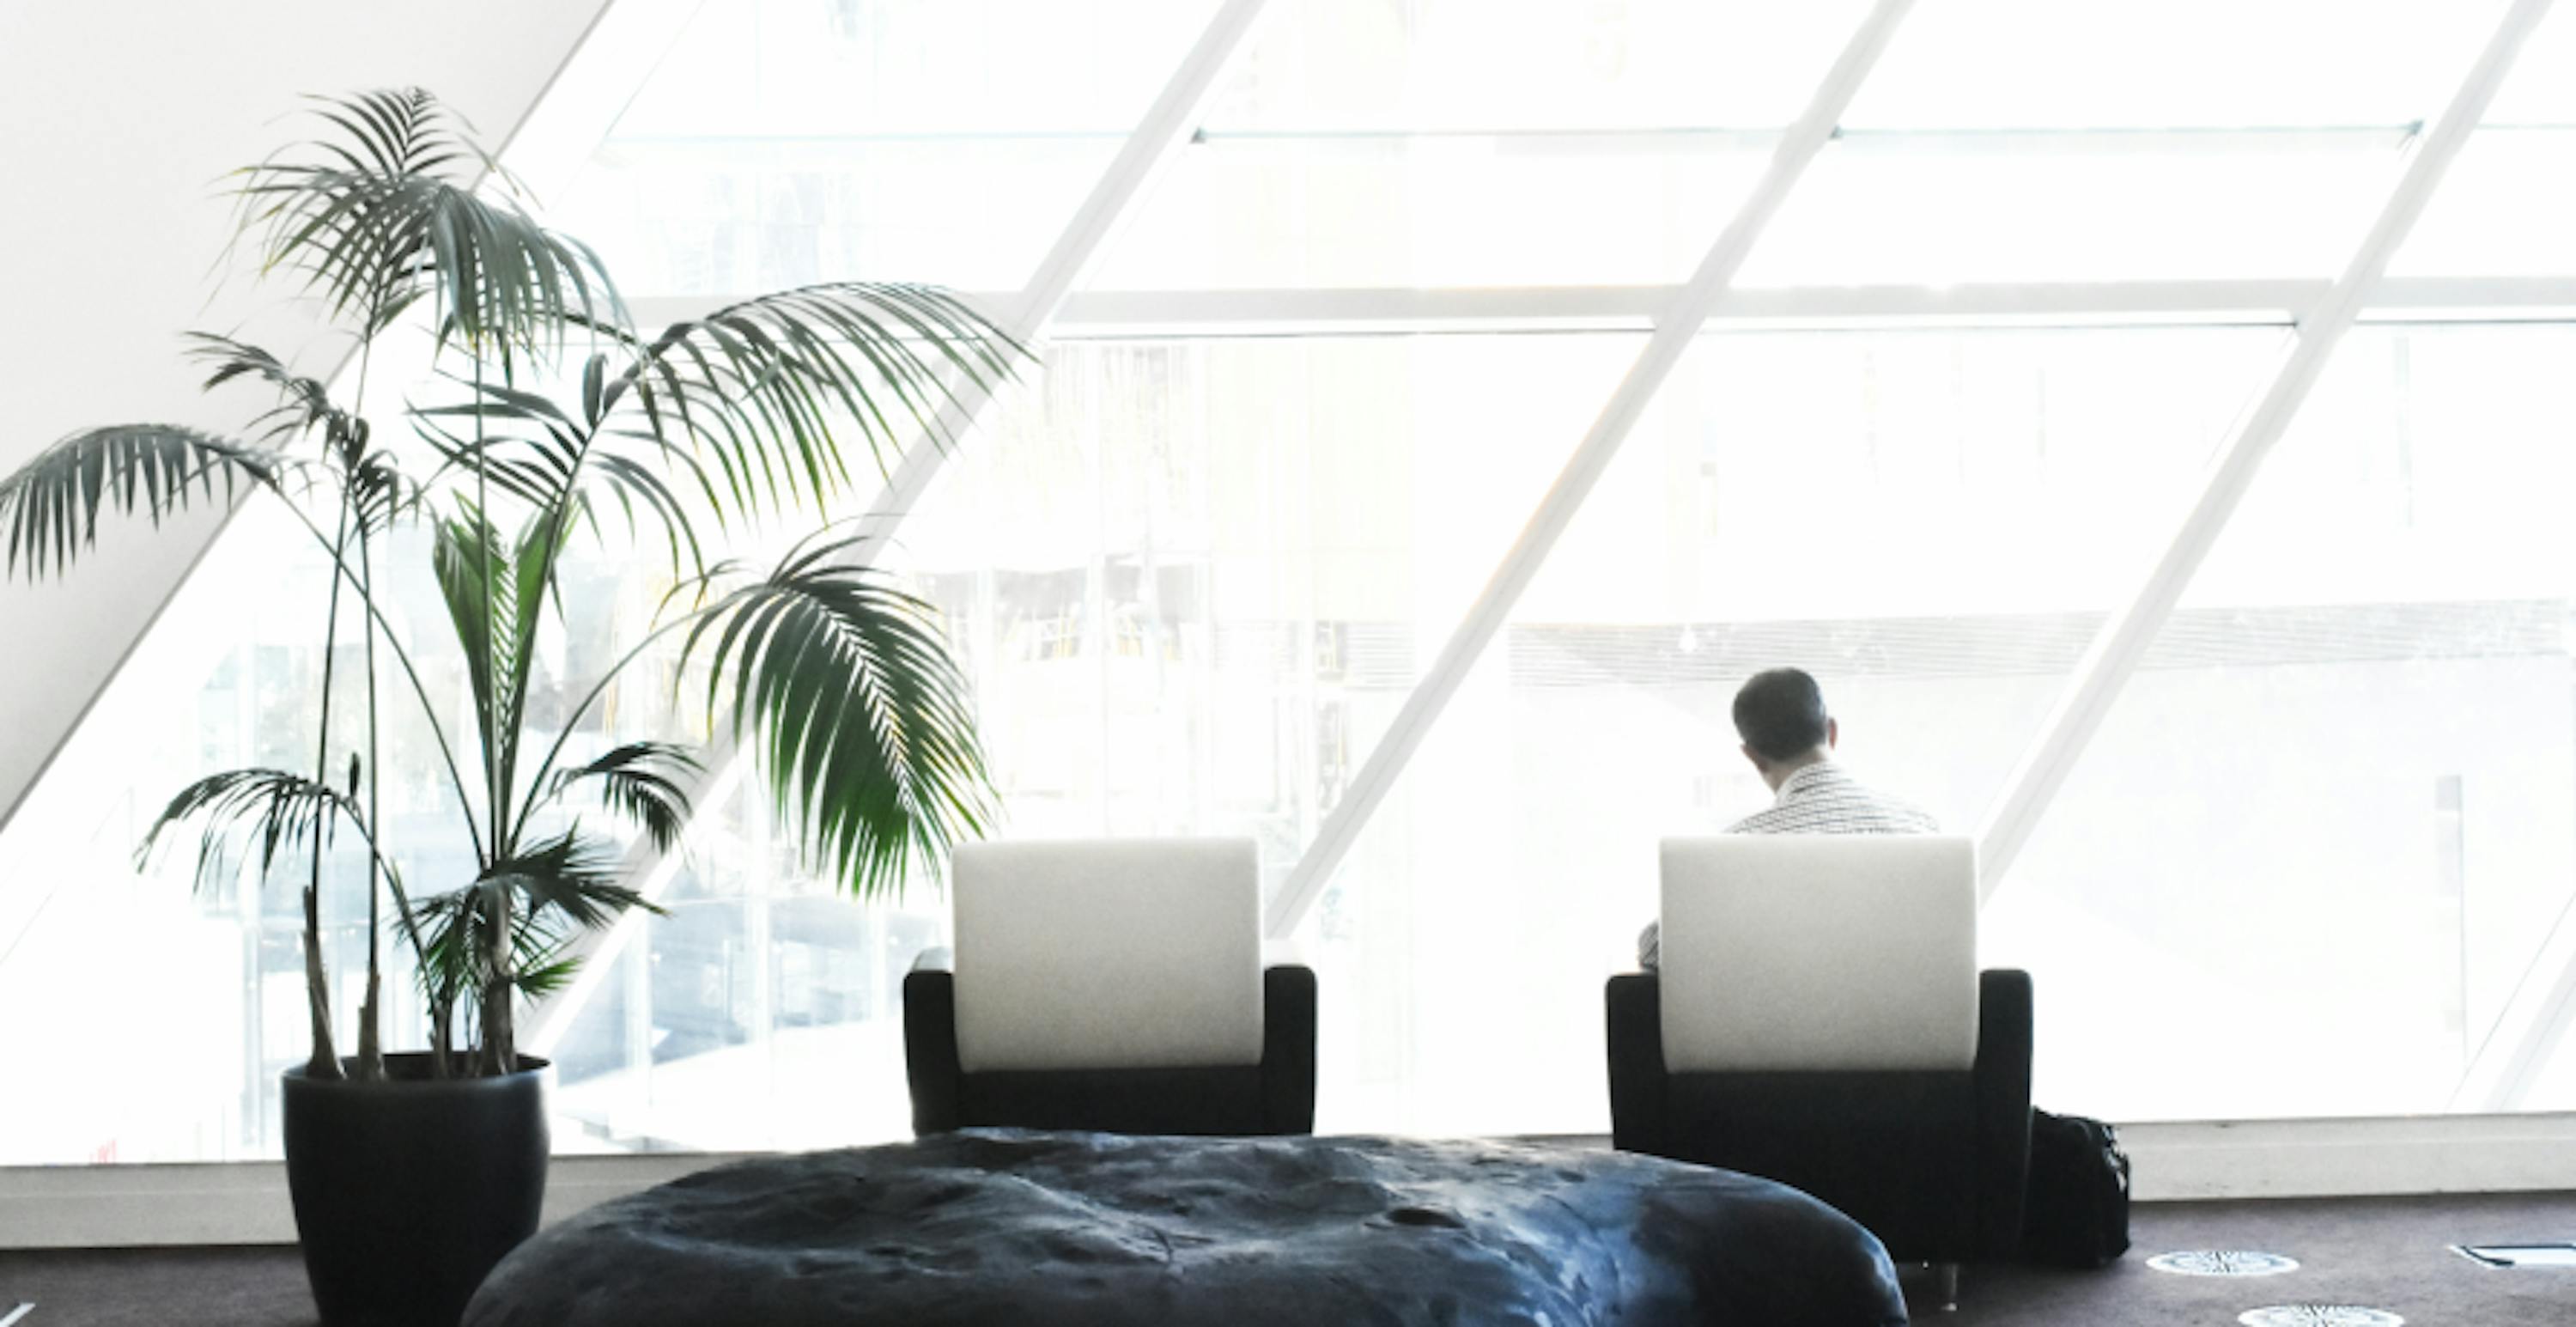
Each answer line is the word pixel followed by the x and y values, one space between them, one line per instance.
pixel 2383 1253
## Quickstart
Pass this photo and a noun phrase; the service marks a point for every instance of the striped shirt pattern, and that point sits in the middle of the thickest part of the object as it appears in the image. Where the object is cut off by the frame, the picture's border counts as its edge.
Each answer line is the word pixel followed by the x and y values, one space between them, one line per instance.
pixel 1822 798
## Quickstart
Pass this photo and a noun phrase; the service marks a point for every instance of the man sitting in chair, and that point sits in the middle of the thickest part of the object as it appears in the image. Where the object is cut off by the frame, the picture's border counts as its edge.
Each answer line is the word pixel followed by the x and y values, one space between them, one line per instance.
pixel 1790 739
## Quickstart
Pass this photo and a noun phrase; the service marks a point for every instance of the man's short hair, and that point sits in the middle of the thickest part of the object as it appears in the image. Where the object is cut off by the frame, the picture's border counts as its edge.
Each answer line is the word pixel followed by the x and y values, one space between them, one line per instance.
pixel 1780 713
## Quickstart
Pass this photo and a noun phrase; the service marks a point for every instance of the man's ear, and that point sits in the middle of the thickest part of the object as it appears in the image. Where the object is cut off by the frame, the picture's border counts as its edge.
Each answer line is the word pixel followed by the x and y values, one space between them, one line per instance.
pixel 1833 733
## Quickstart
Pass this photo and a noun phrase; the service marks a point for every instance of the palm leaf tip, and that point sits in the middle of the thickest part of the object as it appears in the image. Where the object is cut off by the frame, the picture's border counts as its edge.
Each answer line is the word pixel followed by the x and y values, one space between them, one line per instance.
pixel 279 811
pixel 863 724
pixel 51 508
pixel 765 388
pixel 646 783
pixel 570 875
pixel 302 403
pixel 381 211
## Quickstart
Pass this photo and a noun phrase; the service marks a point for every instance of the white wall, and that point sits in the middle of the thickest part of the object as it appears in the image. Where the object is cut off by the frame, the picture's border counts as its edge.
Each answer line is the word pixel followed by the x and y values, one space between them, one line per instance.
pixel 117 118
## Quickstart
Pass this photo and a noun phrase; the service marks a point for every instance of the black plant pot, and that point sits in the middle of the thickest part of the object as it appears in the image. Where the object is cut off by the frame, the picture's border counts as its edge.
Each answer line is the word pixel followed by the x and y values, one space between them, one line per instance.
pixel 407 1192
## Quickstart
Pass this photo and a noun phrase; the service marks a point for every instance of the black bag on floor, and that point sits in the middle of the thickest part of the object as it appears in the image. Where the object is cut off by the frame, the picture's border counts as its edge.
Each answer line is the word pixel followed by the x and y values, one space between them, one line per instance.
pixel 2078 1210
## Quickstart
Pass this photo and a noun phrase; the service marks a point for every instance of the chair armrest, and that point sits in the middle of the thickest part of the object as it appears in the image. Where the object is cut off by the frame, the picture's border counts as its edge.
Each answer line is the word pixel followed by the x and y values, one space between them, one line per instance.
pixel 1638 1080
pixel 1288 1049
pixel 2003 1107
pixel 930 1061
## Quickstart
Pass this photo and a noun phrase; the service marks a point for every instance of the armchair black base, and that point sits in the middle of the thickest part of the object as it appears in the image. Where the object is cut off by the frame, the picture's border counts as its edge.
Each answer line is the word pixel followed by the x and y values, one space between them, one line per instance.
pixel 1276 1096
pixel 1933 1163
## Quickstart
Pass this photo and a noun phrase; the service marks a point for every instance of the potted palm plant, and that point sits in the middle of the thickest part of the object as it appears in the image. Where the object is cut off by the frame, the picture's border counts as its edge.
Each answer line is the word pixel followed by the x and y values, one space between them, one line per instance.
pixel 413 1172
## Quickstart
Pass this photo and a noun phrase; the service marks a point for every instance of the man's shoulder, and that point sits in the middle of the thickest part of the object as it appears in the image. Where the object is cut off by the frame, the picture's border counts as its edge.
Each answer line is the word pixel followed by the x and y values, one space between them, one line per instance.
pixel 1768 820
pixel 1843 807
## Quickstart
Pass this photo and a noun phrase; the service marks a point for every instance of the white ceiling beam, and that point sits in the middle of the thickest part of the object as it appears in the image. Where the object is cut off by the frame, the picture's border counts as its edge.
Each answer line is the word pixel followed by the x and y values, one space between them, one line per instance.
pixel 1675 328
pixel 2125 638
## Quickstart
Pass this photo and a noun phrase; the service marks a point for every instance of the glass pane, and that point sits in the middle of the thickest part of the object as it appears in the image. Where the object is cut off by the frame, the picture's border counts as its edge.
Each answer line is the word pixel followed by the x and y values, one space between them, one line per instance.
pixel 230 678
pixel 765 1011
pixel 1911 474
pixel 2542 88
pixel 783 142
pixel 227 680
pixel 1863 505
pixel 2312 853
pixel 1193 580
pixel 2019 140
pixel 1197 578
pixel 1434 66
pixel 1443 142
pixel 1950 207
pixel 2507 208
pixel 2165 64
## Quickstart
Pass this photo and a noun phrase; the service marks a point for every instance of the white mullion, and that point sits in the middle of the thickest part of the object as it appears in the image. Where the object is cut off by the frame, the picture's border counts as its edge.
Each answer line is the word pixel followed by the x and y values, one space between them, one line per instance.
pixel 1674 330
pixel 2124 640
pixel 1363 310
pixel 1167 125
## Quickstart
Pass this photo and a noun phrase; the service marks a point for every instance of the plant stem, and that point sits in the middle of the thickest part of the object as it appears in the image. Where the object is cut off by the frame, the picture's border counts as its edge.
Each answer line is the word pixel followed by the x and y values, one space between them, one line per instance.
pixel 420 690
pixel 325 1061
pixel 500 987
pixel 371 1052
pixel 485 538
pixel 498 978
pixel 442 1032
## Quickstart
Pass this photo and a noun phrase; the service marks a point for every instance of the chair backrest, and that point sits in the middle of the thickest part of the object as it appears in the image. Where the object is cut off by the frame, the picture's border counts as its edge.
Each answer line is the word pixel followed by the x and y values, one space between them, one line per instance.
pixel 1819 952
pixel 1107 954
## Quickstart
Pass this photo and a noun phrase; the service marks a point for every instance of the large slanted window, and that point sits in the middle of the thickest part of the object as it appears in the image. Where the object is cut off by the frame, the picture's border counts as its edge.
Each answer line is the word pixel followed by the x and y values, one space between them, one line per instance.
pixel 2318 861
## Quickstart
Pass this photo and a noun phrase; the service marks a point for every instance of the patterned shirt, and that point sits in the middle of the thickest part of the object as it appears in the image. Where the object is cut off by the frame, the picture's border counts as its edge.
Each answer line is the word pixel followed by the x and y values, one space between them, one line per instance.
pixel 1822 798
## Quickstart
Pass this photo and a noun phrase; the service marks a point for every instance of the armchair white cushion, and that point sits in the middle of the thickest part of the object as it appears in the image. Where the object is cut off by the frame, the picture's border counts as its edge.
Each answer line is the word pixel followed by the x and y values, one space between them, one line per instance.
pixel 1107 954
pixel 1819 952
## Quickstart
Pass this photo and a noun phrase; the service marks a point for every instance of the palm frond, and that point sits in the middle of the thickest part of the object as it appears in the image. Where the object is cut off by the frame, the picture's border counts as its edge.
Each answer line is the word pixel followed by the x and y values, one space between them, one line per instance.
pixel 541 454
pixel 645 782
pixel 279 811
pixel 765 388
pixel 383 213
pixel 561 886
pixel 865 725
pixel 455 944
pixel 465 555
pixel 534 467
pixel 50 508
pixel 303 405
pixel 547 968
pixel 570 876
pixel 468 556
pixel 380 492
pixel 533 564
pixel 495 593
pixel 454 948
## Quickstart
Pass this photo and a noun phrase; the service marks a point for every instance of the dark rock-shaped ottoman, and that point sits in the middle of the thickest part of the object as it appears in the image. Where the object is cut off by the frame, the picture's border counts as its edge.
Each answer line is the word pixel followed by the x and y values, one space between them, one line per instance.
pixel 1011 1227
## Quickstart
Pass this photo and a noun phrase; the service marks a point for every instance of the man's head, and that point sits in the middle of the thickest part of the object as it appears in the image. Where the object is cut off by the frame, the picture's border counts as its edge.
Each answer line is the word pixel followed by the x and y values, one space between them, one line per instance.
pixel 1781 716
